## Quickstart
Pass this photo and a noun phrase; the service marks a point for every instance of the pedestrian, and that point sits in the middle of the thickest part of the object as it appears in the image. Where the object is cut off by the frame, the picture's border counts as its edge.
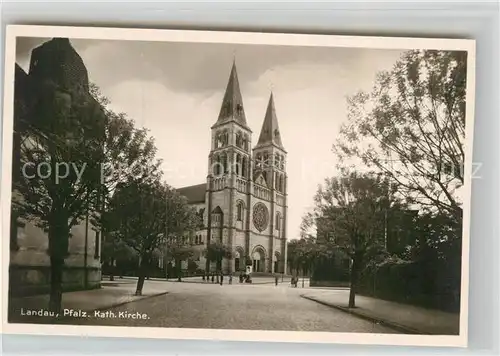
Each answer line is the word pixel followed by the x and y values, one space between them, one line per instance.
pixel 230 279
pixel 213 278
pixel 275 279
pixel 221 278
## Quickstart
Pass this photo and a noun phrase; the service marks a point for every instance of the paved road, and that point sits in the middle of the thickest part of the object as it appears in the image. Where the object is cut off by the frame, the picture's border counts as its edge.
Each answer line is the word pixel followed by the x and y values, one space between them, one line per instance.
pixel 237 306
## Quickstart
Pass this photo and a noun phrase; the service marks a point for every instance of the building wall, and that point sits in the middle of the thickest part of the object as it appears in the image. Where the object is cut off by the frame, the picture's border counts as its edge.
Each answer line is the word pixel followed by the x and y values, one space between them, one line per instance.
pixel 29 267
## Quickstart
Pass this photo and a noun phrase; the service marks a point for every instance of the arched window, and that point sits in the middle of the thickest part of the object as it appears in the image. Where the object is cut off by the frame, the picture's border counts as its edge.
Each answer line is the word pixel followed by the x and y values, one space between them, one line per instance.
pixel 277 160
pixel 276 181
pixel 258 161
pixel 239 211
pixel 246 142
pixel 244 167
pixel 223 163
pixel 282 183
pixel 278 221
pixel 218 140
pixel 239 109
pixel 221 139
pixel 238 164
pixel 266 159
pixel 239 139
pixel 216 165
pixel 217 216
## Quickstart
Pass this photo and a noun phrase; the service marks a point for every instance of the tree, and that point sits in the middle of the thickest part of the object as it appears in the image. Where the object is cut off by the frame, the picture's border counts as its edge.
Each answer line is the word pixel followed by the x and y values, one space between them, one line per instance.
pixel 178 251
pixel 60 155
pixel 129 153
pixel 192 266
pixel 412 128
pixel 138 209
pixel 303 254
pixel 114 248
pixel 151 216
pixel 294 255
pixel 355 205
pixel 216 252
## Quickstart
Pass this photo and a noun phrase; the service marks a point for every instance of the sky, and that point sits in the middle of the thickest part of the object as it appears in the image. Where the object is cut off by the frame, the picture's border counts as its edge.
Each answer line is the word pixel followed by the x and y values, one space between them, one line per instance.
pixel 175 90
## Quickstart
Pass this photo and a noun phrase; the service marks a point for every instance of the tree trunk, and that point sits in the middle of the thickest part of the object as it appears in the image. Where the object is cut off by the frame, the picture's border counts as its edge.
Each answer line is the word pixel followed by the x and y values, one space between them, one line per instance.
pixel 56 271
pixel 207 266
pixel 58 250
pixel 219 266
pixel 112 269
pixel 142 275
pixel 354 282
pixel 179 270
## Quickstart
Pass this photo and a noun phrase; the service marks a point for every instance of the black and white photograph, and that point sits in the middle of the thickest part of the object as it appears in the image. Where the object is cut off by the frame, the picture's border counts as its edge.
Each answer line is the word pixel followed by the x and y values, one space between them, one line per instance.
pixel 236 185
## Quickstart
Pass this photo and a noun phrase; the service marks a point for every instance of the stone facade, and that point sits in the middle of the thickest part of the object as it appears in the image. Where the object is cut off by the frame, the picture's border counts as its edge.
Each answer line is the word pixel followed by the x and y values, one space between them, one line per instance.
pixel 53 64
pixel 244 201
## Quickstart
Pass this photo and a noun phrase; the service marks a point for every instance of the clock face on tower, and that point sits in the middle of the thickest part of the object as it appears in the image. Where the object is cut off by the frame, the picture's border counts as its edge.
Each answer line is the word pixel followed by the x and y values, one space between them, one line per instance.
pixel 260 216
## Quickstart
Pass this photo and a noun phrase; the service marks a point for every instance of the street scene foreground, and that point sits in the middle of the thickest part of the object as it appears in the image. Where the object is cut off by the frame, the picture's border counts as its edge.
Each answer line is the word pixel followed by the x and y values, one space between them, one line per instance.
pixel 259 306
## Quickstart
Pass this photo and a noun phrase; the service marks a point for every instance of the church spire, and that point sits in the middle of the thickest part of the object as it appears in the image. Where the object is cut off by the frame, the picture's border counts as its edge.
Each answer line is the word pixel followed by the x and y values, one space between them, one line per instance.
pixel 232 103
pixel 270 132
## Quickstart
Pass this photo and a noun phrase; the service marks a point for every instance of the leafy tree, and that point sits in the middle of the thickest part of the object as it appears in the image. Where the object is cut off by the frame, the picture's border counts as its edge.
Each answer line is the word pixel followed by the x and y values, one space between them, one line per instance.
pixel 151 215
pixel 294 255
pixel 355 206
pixel 114 248
pixel 192 266
pixel 216 252
pixel 60 155
pixel 178 251
pixel 138 209
pixel 412 128
pixel 129 154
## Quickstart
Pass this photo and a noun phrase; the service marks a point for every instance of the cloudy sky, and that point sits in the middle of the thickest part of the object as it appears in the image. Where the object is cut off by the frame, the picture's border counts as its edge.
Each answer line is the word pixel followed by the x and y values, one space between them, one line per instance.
pixel 176 90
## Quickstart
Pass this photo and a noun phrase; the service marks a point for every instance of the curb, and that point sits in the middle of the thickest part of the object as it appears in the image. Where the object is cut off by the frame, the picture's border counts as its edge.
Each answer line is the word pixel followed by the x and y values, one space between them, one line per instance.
pixel 129 301
pixel 390 324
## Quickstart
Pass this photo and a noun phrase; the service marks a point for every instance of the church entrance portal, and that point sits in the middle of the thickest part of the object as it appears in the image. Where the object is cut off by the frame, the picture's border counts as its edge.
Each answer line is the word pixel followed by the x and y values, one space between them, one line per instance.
pixel 258 260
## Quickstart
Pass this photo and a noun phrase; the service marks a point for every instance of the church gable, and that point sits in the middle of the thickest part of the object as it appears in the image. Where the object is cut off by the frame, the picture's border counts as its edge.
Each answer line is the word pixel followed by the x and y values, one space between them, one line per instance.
pixel 260 179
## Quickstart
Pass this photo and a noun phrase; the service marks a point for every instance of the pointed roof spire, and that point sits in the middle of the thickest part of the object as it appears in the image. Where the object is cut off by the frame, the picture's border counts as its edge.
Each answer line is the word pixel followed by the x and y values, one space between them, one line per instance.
pixel 270 132
pixel 232 103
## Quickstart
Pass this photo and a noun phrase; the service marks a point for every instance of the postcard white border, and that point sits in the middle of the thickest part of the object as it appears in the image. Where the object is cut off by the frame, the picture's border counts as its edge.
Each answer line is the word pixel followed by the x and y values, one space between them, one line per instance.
pixel 279 39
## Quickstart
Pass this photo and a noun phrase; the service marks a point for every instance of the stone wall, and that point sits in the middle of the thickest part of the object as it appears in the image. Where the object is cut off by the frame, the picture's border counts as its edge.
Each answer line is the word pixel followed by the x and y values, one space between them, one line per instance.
pixel 29 268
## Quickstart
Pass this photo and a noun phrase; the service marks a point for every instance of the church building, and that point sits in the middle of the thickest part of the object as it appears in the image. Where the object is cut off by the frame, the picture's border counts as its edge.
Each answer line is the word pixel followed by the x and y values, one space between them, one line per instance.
pixel 244 200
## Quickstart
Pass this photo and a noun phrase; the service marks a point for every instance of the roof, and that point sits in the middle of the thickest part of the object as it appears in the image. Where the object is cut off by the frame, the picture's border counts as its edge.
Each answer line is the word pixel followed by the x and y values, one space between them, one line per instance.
pixel 270 132
pixel 232 103
pixel 194 193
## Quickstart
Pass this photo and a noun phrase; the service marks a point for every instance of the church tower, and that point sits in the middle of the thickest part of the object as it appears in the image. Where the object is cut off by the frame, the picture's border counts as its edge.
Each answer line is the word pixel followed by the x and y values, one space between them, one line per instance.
pixel 229 172
pixel 269 157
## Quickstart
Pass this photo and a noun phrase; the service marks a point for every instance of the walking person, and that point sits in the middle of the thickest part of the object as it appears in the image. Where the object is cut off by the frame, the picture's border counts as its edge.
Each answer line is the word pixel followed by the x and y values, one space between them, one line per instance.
pixel 213 278
pixel 275 279
pixel 221 278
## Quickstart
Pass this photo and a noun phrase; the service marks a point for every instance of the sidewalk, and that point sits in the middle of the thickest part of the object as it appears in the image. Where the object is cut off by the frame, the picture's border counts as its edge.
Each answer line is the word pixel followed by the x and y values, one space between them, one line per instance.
pixel 112 294
pixel 406 318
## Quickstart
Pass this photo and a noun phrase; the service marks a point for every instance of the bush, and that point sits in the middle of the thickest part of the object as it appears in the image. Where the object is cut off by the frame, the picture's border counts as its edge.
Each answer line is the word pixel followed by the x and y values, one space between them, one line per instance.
pixel 430 283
